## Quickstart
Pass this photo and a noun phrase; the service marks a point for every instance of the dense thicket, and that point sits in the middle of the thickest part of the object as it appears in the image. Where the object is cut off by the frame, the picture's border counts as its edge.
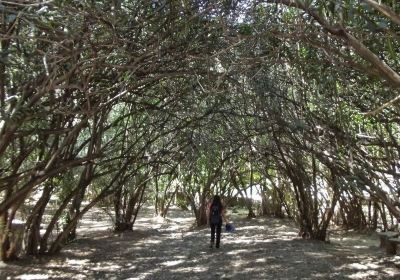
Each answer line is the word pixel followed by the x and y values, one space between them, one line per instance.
pixel 115 103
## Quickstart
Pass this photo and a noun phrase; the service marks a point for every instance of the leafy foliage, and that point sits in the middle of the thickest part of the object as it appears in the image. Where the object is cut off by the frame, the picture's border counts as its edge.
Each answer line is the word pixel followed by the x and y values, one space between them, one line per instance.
pixel 115 102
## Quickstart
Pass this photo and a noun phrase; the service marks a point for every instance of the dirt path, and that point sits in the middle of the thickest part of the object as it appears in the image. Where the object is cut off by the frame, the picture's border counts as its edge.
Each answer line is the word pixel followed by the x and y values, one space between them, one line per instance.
pixel 262 248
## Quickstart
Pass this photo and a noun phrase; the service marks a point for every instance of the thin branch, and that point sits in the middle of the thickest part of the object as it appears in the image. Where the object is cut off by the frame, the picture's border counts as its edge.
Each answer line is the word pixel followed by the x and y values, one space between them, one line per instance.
pixel 385 10
pixel 380 108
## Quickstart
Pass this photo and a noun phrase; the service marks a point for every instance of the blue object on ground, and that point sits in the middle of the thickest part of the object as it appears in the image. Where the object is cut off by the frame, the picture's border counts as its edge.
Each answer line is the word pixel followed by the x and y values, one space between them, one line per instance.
pixel 229 228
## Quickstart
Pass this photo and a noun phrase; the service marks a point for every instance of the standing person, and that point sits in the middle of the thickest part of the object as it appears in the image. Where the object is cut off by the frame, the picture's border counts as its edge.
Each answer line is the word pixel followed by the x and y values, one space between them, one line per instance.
pixel 216 214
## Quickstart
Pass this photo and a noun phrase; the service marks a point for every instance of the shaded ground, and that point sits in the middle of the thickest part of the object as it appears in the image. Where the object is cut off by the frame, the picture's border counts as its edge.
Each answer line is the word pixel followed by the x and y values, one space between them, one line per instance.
pixel 262 248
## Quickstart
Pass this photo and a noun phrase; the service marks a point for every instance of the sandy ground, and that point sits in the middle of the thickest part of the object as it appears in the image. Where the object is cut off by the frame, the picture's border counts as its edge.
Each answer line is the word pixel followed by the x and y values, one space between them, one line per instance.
pixel 262 248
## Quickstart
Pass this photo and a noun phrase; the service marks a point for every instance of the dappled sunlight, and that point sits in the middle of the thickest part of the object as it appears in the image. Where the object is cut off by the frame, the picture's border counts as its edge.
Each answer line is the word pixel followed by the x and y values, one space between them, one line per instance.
pixel 189 270
pixel 173 263
pixel 94 226
pixel 126 126
pixel 153 241
pixel 250 239
pixel 252 227
pixel 93 221
pixel 131 267
pixel 32 277
pixel 144 275
pixel 77 262
pixel 319 275
pixel 153 269
pixel 245 241
pixel 364 275
pixel 360 266
pixel 282 228
pixel 367 268
pixel 285 230
pixel 235 252
pixel 149 259
pixel 171 248
pixel 318 254
pixel 84 253
pixel 390 271
pixel 106 267
pixel 260 260
pixel 353 240
pixel 238 263
pixel 360 247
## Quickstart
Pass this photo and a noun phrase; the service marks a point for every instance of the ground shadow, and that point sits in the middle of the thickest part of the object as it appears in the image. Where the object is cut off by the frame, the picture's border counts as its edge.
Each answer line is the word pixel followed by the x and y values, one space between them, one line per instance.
pixel 260 248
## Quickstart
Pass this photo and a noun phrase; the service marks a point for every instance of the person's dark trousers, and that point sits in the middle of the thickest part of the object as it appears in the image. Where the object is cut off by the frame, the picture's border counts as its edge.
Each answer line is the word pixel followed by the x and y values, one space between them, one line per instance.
pixel 216 228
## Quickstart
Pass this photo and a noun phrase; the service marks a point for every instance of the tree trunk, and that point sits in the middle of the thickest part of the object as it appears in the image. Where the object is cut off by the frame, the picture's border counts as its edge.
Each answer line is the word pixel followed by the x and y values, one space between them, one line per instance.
pixel 63 236
pixel 4 231
pixel 74 211
pixel 54 221
pixel 33 223
pixel 374 221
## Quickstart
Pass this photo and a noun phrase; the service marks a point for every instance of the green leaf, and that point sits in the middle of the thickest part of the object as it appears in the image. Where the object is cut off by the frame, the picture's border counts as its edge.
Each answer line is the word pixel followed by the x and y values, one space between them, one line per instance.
pixel 245 29
pixel 392 53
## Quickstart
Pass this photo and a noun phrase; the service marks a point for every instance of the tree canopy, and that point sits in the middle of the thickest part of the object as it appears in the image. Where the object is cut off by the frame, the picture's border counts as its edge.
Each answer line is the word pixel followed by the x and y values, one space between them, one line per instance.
pixel 117 102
